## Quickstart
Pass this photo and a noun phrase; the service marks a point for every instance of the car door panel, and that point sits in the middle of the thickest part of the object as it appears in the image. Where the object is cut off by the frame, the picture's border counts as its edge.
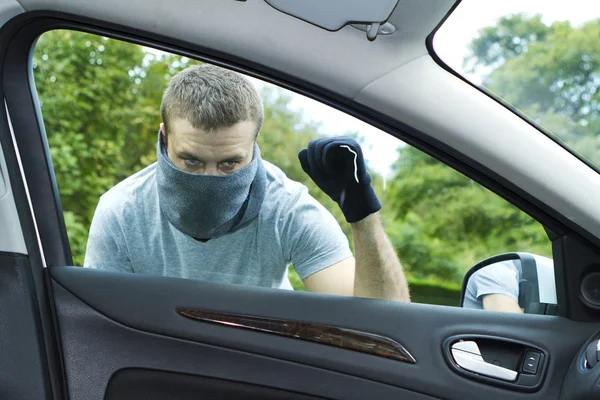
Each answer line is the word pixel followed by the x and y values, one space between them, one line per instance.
pixel 96 347
pixel 111 321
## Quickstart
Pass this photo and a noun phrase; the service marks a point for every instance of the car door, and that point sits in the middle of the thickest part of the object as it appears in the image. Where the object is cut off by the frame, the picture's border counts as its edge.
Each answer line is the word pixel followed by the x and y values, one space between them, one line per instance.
pixel 70 332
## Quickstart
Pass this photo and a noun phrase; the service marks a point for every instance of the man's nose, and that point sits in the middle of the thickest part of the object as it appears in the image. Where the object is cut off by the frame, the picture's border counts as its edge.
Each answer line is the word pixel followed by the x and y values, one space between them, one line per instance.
pixel 210 170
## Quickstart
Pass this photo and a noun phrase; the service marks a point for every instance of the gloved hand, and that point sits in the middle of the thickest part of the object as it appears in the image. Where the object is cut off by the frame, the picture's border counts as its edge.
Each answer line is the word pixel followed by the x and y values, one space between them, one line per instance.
pixel 337 166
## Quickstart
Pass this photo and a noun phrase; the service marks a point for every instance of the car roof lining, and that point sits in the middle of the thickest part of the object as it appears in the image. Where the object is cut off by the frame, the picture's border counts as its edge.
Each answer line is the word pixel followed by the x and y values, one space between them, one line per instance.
pixel 347 60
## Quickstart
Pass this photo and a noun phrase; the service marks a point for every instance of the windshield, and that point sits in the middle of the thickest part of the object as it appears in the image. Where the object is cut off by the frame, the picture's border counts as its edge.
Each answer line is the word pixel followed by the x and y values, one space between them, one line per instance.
pixel 540 57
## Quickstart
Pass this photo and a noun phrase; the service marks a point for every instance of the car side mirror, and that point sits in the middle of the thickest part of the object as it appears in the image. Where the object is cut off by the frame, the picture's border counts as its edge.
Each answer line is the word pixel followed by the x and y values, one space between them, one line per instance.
pixel 522 282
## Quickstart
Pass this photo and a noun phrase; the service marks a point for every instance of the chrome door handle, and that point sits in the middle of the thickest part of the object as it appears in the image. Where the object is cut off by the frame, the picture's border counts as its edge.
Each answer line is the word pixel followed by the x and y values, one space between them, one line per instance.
pixel 467 355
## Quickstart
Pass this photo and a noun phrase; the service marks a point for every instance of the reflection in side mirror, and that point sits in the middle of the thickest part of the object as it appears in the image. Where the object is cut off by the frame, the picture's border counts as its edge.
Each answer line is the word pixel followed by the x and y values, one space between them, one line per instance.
pixel 511 282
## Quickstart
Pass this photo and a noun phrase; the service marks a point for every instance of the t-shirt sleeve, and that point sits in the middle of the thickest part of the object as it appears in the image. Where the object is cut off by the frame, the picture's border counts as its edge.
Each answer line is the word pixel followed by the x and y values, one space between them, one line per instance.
pixel 311 237
pixel 498 278
pixel 106 247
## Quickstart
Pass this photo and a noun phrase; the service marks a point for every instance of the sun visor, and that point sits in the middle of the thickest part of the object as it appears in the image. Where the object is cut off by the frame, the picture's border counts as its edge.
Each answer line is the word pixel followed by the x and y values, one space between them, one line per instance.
pixel 335 14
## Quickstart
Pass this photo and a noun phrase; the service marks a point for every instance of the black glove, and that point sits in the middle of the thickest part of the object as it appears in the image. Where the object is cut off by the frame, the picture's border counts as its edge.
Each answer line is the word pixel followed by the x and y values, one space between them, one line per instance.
pixel 337 166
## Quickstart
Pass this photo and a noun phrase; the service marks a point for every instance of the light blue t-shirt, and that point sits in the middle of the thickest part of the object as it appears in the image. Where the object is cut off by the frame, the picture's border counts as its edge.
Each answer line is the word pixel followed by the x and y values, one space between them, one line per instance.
pixel 499 278
pixel 130 233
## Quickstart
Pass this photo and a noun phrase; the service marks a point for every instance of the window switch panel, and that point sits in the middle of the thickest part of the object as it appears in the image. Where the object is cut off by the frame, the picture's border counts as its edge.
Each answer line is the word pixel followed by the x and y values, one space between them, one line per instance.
pixel 531 362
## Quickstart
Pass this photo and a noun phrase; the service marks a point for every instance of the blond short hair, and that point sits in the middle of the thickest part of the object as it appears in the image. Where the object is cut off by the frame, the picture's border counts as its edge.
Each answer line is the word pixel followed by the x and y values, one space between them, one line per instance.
pixel 211 98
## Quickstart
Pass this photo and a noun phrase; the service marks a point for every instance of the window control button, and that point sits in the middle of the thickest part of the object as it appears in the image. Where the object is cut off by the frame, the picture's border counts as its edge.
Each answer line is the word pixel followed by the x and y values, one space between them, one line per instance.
pixel 531 362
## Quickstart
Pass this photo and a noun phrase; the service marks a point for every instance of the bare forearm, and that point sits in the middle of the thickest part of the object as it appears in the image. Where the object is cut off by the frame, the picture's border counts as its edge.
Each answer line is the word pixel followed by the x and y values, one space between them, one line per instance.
pixel 501 302
pixel 378 272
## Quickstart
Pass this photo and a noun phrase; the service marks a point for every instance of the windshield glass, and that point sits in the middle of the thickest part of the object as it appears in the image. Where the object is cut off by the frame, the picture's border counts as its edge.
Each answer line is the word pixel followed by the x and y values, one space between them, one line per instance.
pixel 540 57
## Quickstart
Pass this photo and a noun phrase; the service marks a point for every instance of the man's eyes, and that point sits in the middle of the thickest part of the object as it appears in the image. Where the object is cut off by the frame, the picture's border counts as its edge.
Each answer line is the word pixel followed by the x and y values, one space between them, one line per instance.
pixel 229 164
pixel 224 166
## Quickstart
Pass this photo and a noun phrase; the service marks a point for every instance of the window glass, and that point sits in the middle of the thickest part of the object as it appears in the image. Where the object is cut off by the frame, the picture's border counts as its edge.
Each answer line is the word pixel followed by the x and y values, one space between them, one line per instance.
pixel 541 57
pixel 101 103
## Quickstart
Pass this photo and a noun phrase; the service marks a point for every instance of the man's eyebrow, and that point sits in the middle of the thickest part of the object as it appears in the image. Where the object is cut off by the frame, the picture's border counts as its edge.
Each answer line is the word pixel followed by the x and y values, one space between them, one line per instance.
pixel 229 157
pixel 185 154
pixel 233 157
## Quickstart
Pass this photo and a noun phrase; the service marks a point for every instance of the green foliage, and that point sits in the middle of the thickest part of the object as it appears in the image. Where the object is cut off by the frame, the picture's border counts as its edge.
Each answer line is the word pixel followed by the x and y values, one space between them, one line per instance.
pixel 295 280
pixel 435 292
pixel 510 37
pixel 98 98
pixel 445 222
pixel 549 72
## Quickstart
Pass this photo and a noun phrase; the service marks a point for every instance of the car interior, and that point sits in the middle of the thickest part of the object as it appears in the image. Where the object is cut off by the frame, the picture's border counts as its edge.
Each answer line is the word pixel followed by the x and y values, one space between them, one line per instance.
pixel 77 333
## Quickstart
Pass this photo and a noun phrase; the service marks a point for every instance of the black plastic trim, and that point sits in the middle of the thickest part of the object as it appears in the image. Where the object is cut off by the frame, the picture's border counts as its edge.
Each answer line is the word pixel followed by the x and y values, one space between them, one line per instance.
pixel 580 382
pixel 580 258
pixel 544 362
pixel 151 384
pixel 53 335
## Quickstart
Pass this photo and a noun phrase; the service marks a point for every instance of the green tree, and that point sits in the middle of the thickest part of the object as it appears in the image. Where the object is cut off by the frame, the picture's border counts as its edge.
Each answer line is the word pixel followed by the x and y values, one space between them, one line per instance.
pixel 510 37
pixel 445 222
pixel 549 72
pixel 86 93
pixel 97 97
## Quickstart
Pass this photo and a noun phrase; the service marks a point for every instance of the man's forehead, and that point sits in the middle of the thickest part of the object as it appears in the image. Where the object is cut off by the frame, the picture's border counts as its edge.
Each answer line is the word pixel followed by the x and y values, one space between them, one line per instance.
pixel 242 131
pixel 204 146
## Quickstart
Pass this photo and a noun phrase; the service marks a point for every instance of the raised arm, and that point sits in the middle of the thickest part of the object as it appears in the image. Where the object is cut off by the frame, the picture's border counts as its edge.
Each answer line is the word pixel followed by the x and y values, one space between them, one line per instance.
pixel 337 166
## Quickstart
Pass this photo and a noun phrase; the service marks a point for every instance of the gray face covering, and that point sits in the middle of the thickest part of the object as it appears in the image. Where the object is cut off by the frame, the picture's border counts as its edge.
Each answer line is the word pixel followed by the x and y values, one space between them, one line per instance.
pixel 209 206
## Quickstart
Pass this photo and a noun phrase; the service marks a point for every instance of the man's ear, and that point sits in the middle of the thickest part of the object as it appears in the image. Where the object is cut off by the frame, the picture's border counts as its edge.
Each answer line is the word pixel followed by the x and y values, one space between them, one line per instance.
pixel 163 134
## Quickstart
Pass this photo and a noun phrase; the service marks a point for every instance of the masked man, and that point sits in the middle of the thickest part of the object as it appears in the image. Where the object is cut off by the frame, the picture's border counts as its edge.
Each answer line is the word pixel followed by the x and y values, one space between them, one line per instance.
pixel 211 209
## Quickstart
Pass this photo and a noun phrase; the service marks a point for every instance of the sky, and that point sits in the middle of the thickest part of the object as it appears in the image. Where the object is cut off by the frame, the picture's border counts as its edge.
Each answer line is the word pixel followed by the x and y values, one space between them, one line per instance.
pixel 450 43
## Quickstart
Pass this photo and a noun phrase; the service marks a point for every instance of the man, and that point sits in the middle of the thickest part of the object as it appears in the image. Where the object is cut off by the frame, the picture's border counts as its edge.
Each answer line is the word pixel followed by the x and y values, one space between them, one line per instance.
pixel 211 209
